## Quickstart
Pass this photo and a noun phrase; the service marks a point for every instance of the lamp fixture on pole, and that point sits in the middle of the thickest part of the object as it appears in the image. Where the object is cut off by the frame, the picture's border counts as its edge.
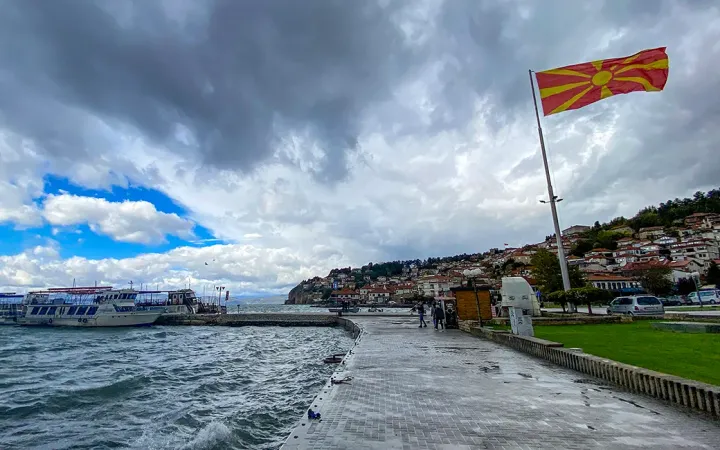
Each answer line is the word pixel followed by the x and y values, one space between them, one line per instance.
pixel 472 275
pixel 219 289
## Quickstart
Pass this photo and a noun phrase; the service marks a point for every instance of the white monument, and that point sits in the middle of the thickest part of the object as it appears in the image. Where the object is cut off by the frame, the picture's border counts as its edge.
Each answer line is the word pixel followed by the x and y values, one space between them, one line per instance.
pixel 517 292
pixel 519 298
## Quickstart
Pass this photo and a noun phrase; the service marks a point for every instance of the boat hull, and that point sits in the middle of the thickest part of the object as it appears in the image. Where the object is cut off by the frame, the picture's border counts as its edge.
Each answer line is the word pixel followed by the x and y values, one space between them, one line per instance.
pixel 167 310
pixel 114 320
pixel 8 321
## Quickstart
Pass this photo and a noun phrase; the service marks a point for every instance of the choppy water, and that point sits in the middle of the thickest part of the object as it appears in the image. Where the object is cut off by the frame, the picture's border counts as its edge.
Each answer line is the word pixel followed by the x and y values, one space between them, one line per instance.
pixel 159 387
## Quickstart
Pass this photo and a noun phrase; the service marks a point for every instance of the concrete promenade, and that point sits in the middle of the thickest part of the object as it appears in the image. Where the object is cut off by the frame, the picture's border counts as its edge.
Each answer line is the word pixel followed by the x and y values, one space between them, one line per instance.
pixel 420 388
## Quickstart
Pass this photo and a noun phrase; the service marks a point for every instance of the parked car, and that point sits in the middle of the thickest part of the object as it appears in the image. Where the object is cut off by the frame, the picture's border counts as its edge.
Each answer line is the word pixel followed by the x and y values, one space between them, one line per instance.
pixel 636 305
pixel 672 301
pixel 706 295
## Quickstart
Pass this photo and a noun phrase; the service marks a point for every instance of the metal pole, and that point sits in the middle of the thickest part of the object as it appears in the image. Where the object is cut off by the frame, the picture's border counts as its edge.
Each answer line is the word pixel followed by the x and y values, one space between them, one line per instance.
pixel 477 301
pixel 697 288
pixel 558 237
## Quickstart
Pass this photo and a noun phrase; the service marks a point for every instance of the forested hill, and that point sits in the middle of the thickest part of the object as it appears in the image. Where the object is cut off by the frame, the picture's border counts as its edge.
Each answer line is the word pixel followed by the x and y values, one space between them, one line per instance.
pixel 671 212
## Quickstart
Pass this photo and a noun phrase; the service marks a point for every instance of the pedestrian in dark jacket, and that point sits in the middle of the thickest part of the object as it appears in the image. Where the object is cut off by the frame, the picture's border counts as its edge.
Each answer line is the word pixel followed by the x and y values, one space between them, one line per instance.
pixel 421 312
pixel 439 317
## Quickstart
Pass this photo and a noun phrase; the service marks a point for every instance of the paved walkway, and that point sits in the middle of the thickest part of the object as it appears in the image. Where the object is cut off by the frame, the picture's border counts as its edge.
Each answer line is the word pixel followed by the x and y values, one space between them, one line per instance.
pixel 420 388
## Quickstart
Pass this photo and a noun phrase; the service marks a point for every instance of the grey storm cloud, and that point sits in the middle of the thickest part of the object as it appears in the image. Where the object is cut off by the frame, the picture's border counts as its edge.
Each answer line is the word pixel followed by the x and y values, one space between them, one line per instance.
pixel 233 80
pixel 238 75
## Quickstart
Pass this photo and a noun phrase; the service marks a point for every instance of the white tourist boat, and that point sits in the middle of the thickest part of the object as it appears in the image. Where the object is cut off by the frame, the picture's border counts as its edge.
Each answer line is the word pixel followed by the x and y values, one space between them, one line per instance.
pixel 182 301
pixel 86 307
pixel 10 307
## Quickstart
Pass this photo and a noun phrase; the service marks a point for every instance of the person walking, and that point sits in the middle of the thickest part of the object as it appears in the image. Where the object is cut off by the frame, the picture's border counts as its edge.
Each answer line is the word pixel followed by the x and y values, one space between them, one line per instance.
pixel 439 317
pixel 421 312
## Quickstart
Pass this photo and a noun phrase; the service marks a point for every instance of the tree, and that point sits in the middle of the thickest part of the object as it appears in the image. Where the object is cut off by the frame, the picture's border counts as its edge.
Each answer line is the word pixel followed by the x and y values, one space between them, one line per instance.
pixel 559 297
pixel 326 293
pixel 588 295
pixel 581 247
pixel 546 271
pixel 713 275
pixel 608 239
pixel 656 280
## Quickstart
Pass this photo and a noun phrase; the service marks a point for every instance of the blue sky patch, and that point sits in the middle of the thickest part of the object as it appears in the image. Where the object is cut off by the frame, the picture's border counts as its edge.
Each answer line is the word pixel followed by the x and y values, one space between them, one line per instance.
pixel 58 185
pixel 80 240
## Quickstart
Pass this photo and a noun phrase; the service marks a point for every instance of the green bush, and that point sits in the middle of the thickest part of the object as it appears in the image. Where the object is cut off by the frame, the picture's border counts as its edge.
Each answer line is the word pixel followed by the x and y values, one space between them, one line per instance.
pixel 581 296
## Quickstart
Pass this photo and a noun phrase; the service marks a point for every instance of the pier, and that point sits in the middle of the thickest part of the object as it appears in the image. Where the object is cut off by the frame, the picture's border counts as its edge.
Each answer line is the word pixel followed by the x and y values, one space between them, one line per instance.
pixel 257 319
pixel 412 388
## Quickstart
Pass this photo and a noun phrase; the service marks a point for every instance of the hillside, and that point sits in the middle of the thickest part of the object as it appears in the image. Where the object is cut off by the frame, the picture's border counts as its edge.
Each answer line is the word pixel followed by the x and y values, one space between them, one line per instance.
pixel 671 217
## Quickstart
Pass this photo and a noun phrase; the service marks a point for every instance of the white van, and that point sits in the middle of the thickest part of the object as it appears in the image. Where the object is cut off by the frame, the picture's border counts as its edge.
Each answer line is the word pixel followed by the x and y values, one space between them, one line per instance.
pixel 711 296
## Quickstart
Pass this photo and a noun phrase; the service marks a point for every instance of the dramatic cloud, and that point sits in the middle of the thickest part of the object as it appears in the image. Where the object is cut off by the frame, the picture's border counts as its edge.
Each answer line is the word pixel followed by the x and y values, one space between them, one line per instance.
pixel 272 271
pixel 335 132
pixel 233 80
pixel 19 183
pixel 126 221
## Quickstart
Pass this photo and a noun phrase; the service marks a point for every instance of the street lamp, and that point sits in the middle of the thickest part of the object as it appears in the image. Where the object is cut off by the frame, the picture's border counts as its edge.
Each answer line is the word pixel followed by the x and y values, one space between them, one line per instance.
pixel 220 289
pixel 471 275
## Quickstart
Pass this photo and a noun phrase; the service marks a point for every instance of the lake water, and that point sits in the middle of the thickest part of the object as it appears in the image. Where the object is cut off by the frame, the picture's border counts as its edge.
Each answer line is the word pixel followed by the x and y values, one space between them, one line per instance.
pixel 159 387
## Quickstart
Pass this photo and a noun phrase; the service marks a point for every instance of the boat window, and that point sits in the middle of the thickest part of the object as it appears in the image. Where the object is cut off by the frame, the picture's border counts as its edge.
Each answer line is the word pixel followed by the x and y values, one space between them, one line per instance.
pixel 35 310
pixel 123 296
pixel 43 310
pixel 134 296
pixel 71 311
pixel 92 310
pixel 123 308
pixel 81 310
pixel 115 297
pixel 52 310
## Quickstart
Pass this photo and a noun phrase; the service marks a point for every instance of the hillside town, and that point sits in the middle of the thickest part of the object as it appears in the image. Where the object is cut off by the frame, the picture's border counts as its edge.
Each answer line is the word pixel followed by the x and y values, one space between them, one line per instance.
pixel 687 250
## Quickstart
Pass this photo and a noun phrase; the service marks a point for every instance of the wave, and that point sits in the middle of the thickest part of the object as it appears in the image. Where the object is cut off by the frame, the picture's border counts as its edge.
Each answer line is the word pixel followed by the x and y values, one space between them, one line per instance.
pixel 65 400
pixel 211 435
pixel 111 390
pixel 162 388
pixel 24 411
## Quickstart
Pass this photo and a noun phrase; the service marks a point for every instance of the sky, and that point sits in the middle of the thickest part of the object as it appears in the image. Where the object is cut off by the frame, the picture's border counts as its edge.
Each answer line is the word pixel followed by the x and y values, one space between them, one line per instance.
pixel 256 144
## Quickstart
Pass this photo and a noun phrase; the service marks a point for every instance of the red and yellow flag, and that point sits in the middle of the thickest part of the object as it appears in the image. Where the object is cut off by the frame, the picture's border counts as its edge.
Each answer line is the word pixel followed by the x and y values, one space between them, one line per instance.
pixel 573 87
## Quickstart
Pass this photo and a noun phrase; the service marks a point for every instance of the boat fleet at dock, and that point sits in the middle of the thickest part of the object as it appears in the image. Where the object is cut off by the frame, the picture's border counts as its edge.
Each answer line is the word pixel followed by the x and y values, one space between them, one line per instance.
pixel 98 307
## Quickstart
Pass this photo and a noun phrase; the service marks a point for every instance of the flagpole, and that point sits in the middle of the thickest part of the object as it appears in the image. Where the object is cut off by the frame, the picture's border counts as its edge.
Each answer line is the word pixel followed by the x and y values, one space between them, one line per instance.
pixel 553 198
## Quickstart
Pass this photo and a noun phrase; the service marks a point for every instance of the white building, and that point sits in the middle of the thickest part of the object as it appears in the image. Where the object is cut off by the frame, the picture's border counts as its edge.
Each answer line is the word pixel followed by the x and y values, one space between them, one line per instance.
pixel 435 286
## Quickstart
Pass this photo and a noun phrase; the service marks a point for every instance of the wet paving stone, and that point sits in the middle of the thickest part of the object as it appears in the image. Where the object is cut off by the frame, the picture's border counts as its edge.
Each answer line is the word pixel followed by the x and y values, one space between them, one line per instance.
pixel 415 388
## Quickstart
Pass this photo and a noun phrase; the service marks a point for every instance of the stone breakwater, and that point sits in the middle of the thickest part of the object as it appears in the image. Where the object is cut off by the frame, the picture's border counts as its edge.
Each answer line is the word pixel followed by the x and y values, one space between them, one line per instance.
pixel 257 319
pixel 264 320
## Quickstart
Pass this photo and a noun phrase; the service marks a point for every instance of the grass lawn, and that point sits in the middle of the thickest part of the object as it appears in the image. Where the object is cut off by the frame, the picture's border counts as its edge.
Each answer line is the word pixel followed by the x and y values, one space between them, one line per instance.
pixel 693 356
pixel 693 308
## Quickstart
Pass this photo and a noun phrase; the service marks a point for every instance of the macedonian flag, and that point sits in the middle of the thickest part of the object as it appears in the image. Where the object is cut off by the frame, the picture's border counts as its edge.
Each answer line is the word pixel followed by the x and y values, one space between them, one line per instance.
pixel 573 87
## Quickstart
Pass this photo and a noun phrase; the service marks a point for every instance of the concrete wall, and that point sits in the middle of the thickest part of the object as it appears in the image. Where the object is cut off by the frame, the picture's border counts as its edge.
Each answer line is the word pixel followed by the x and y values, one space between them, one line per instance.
pixel 699 317
pixel 283 320
pixel 679 391
pixel 350 326
pixel 237 320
